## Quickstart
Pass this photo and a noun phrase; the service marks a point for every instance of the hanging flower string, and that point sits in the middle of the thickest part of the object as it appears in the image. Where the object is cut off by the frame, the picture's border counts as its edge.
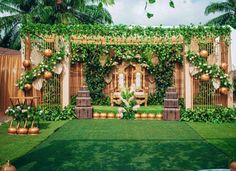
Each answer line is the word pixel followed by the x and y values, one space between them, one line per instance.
pixel 47 64
pixel 214 71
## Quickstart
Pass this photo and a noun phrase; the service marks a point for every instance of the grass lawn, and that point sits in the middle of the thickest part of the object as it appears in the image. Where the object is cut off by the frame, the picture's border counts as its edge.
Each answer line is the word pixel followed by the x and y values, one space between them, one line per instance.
pixel 12 146
pixel 133 145
pixel 149 109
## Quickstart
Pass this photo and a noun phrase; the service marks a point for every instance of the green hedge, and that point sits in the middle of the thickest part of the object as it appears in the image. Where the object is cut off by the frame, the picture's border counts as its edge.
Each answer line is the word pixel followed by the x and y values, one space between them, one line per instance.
pixel 214 115
pixel 56 113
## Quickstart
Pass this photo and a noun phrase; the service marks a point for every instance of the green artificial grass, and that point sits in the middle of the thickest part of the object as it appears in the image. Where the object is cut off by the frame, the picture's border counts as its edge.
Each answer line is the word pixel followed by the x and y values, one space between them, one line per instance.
pixel 130 145
pixel 14 146
pixel 223 136
pixel 113 109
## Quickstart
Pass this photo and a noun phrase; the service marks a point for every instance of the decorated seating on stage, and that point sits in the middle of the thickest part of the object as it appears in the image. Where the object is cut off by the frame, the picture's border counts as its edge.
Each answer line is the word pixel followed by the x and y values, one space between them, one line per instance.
pixel 122 80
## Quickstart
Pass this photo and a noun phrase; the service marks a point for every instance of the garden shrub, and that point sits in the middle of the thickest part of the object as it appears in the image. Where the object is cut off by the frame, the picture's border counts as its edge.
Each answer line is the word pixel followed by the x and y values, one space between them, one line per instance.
pixel 214 115
pixel 56 113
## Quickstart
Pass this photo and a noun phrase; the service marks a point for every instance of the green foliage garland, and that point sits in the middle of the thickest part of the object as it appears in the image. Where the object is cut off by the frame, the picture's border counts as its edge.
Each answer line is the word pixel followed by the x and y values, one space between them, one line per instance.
pixel 168 55
pixel 214 71
pixel 46 65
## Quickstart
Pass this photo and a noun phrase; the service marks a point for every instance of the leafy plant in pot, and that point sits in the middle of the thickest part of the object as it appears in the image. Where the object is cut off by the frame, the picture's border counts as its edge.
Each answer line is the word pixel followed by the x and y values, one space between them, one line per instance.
pixel 129 105
pixel 34 116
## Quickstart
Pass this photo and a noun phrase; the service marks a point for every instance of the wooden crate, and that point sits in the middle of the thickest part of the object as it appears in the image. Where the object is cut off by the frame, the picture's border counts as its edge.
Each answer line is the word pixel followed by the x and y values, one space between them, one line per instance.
pixel 84 112
pixel 171 103
pixel 83 101
pixel 171 114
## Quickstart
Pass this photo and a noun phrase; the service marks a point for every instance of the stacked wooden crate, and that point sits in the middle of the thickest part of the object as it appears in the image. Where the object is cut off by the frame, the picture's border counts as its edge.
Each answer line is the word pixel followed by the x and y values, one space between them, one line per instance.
pixel 83 107
pixel 171 105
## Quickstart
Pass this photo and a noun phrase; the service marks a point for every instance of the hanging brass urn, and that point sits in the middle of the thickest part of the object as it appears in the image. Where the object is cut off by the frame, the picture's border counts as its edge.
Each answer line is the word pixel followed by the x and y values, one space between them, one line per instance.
pixel 47 53
pixel 204 53
pixel 205 77
pixel 26 63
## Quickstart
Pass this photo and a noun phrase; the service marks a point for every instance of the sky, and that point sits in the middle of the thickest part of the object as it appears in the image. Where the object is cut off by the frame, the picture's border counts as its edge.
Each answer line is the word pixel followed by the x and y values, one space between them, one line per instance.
pixel 132 12
pixel 185 12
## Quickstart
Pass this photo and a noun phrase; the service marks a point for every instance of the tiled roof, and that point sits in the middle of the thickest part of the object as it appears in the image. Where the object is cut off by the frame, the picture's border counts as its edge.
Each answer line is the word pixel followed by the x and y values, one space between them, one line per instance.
pixel 5 51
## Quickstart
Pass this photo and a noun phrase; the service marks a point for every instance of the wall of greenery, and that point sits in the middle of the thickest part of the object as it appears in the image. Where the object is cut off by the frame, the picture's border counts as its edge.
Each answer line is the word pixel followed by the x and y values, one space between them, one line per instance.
pixel 168 54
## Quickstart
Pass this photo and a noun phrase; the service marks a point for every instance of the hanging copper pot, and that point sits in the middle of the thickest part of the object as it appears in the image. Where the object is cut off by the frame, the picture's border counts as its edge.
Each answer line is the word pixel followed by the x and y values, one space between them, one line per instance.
pixel 47 75
pixel 204 53
pixel 224 66
pixel 224 90
pixel 110 115
pixel 26 63
pixel 8 167
pixel 33 131
pixel 12 130
pixel 28 87
pixel 205 77
pixel 47 53
pixel 22 131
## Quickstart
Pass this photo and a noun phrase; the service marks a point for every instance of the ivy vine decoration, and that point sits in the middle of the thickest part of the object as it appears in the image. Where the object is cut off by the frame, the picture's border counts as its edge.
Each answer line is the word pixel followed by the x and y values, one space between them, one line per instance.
pixel 214 71
pixel 47 64
pixel 168 55
pixel 144 34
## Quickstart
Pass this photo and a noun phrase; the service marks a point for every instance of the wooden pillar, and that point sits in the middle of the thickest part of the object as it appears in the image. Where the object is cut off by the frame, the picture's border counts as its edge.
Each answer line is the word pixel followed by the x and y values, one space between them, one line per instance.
pixel 230 95
pixel 27 57
pixel 187 82
pixel 66 83
pixel 66 80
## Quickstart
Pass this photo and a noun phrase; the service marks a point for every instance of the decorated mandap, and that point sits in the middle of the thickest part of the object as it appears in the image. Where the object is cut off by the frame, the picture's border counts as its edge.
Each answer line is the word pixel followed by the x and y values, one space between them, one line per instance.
pixel 60 59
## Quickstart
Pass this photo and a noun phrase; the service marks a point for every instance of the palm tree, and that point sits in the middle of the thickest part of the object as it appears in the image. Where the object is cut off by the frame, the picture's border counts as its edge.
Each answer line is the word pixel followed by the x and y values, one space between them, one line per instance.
pixel 228 8
pixel 18 12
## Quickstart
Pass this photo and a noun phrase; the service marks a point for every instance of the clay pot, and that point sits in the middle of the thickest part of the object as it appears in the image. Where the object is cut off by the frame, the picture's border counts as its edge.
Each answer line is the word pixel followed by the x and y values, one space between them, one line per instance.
pixel 22 131
pixel 26 63
pixel 33 131
pixel 96 115
pixel 28 87
pixel 205 77
pixel 151 116
pixel 224 90
pixel 12 130
pixel 144 116
pixel 224 66
pixel 8 167
pixel 47 75
pixel 137 116
pixel 118 116
pixel 47 53
pixel 110 115
pixel 204 53
pixel 103 115
pixel 159 116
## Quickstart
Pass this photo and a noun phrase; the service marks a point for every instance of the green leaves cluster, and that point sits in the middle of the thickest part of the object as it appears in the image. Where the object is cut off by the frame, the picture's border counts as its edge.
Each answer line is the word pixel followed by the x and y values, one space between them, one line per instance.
pixel 46 65
pixel 168 55
pixel 214 71
pixel 122 31
pixel 214 115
